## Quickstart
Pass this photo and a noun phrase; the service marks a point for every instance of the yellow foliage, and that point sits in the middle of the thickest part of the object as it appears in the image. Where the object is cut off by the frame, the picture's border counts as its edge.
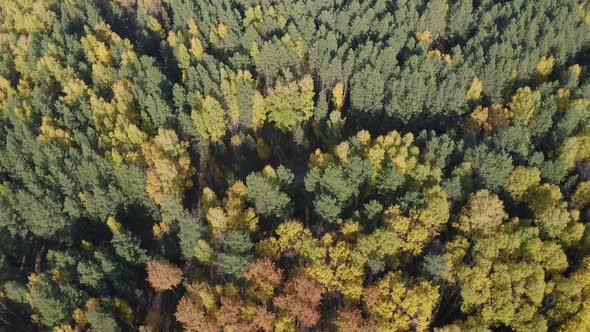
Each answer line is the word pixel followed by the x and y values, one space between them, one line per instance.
pixel 398 306
pixel 124 310
pixel 524 103
pixel 197 48
pixel 236 141
pixel 338 95
pixel 544 68
pixel 478 119
pixel 221 30
pixel 575 70
pixel 172 38
pixel 285 324
pixel 230 87
pixel 291 103
pixel 114 225
pixel 259 110
pixel 568 152
pixel 96 50
pixel 64 328
pixel 254 50
pixel 424 36
pixel 562 99
pixel 482 215
pixel 79 316
pixel 72 90
pixel 583 146
pixel 475 90
pixel 193 29
pixel 440 55
pixel 263 149
pixel 168 166
pixel 582 194
pixel 350 228
pixel 217 219
pixel 521 179
pixel 422 225
pixel 160 229
pixel 101 75
pixel 27 16
pixel 342 151
pixel 209 199
pixel 50 131
pixel 209 120
pixel 154 25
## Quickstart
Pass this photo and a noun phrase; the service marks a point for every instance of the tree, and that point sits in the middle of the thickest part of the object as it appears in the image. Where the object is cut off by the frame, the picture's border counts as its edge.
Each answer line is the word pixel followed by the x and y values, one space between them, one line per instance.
pixel 53 303
pixel 492 169
pixel 126 244
pixel 209 119
pixel 435 156
pixel 393 304
pixel 169 170
pixel 367 90
pixel 338 95
pixel 482 215
pixel 571 294
pixel 522 179
pixel 99 319
pixel 582 194
pixel 524 104
pixel 236 254
pixel 300 299
pixel 336 185
pixel 192 310
pixel 163 275
pixel 265 192
pixel 263 277
pixel 290 104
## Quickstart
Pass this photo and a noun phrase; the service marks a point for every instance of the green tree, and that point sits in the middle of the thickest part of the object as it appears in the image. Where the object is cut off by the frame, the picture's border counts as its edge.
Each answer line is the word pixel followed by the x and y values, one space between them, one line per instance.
pixel 264 191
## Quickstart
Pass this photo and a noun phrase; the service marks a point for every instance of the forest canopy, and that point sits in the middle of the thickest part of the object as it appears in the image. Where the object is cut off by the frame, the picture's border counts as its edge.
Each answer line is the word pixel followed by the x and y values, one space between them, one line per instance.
pixel 304 165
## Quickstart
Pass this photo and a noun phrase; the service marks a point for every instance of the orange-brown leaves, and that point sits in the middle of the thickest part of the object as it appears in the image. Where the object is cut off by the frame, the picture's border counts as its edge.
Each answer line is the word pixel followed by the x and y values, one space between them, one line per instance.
pixel 263 276
pixel 163 275
pixel 300 299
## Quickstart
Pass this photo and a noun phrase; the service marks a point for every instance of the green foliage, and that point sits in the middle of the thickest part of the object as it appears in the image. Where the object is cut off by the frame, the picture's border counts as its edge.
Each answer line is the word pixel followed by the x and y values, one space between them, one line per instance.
pixel 16 291
pixel 265 193
pixel 128 247
pixel 236 254
pixel 492 169
pixel 101 321
pixel 335 186
pixel 53 303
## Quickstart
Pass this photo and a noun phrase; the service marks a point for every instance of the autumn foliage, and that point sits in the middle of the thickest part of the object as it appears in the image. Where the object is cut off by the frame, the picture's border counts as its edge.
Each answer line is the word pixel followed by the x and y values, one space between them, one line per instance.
pixel 163 275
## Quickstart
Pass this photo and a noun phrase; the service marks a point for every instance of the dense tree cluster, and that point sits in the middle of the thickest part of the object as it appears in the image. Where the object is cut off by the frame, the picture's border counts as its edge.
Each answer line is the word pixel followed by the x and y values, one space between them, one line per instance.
pixel 305 165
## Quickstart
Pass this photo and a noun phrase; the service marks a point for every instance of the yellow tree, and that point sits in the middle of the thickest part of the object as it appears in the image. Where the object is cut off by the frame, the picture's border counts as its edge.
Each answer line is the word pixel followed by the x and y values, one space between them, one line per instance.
pixel 422 225
pixel 209 119
pixel 168 171
pixel 571 311
pixel 521 180
pixel 524 103
pixel 289 104
pixel 338 95
pixel 475 89
pixel 397 305
pixel 230 214
pixel 118 123
pixel 482 215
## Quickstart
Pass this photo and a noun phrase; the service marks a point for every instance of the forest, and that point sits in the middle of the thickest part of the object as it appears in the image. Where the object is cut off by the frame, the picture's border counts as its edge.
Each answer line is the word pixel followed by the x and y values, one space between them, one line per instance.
pixel 300 165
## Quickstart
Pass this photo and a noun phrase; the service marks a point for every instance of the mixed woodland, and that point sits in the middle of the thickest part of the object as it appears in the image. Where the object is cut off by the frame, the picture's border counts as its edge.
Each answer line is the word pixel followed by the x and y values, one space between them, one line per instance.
pixel 301 165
